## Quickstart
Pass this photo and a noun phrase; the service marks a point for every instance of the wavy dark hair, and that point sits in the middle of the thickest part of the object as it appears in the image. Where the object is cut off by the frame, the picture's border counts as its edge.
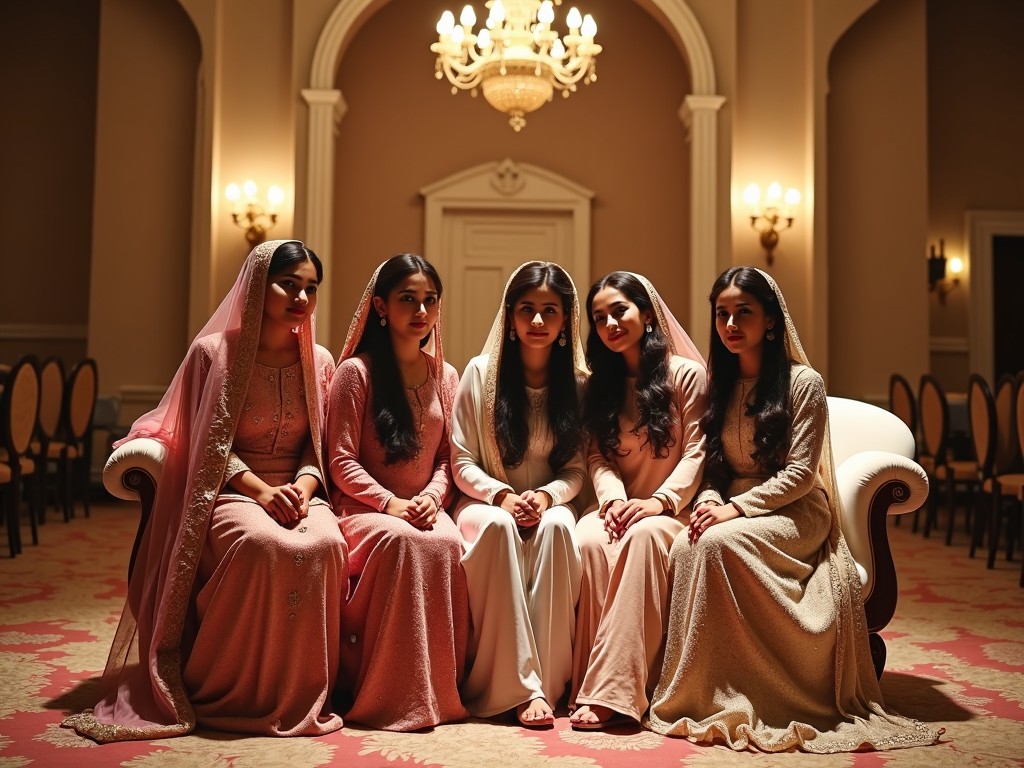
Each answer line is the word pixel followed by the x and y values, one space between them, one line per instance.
pixel 606 391
pixel 293 252
pixel 771 407
pixel 392 415
pixel 512 407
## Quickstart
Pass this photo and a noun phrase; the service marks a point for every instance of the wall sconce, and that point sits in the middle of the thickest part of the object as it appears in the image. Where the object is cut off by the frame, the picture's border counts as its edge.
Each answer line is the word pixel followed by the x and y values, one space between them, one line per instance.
pixel 775 216
pixel 937 280
pixel 255 219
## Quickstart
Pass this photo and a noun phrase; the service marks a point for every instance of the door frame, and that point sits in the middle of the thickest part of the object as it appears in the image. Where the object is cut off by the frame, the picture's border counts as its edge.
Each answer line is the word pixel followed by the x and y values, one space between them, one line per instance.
pixel 508 186
pixel 981 227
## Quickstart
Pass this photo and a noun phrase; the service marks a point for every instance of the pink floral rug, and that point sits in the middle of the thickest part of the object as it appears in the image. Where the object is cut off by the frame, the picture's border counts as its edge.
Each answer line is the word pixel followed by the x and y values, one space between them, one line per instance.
pixel 956 660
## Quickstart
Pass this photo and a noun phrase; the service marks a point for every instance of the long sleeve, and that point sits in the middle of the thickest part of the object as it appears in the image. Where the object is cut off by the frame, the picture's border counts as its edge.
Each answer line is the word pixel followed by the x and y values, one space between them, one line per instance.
pixel 467 454
pixel 568 483
pixel 346 409
pixel 690 382
pixel 799 475
pixel 440 485
pixel 605 476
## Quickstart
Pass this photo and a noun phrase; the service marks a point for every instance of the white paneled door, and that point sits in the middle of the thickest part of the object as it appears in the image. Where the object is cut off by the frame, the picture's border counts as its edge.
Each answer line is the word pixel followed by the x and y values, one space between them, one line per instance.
pixel 482 249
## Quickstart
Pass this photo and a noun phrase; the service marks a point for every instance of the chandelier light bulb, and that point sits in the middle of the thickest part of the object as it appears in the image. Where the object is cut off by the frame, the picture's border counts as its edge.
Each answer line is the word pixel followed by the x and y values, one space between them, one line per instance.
pixel 458 34
pixel 249 188
pixel 446 23
pixel 557 49
pixel 773 195
pixel 233 193
pixel 483 40
pixel 275 195
pixel 589 28
pixel 468 17
pixel 498 11
pixel 956 265
pixel 792 196
pixel 573 19
pixel 752 195
pixel 546 12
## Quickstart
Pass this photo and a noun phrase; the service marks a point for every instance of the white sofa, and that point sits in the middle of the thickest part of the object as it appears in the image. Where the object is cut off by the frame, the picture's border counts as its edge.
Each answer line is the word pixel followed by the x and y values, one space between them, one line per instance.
pixel 874 468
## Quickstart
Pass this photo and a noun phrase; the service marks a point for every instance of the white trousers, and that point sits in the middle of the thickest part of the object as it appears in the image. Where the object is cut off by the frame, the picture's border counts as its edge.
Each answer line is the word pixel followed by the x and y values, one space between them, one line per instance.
pixel 522 603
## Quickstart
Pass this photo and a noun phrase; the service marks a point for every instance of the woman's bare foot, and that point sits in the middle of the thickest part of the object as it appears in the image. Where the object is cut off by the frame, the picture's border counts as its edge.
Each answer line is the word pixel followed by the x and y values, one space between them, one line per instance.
pixel 535 712
pixel 596 717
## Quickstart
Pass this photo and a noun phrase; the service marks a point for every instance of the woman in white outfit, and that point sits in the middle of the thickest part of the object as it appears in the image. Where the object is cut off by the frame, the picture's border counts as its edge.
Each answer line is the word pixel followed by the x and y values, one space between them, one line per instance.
pixel 517 456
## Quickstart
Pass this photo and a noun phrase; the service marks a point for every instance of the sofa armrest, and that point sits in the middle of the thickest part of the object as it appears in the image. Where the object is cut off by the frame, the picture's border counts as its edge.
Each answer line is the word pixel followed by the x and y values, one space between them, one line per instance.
pixel 132 463
pixel 872 486
pixel 133 472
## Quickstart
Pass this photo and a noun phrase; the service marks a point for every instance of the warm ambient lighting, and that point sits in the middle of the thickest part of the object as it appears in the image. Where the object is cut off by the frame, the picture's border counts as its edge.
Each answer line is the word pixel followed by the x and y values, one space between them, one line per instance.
pixel 516 59
pixel 775 215
pixel 254 218
pixel 937 263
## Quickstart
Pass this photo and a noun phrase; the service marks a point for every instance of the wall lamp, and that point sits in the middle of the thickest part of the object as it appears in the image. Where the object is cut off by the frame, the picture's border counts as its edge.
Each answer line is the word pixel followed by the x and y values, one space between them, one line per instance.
pixel 937 280
pixel 255 218
pixel 773 215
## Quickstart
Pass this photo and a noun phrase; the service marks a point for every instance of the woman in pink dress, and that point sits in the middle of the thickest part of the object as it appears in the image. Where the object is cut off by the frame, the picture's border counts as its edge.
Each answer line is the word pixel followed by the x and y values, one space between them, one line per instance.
pixel 406 621
pixel 767 645
pixel 642 408
pixel 233 614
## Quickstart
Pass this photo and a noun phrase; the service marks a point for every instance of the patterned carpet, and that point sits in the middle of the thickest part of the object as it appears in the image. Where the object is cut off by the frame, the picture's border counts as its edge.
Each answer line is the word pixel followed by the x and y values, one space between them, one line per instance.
pixel 956 660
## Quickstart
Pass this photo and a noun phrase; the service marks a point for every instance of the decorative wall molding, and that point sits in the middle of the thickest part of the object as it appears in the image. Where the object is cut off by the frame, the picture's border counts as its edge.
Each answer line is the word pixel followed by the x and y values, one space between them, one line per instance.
pixel 43 331
pixel 949 345
pixel 699 111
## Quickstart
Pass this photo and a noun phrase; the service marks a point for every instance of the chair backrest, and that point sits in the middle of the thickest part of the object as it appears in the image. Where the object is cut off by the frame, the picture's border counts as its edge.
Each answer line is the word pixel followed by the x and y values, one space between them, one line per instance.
pixel 1018 411
pixel 934 410
pixel 20 409
pixel 80 399
pixel 901 401
pixel 1007 453
pixel 981 412
pixel 51 396
pixel 856 426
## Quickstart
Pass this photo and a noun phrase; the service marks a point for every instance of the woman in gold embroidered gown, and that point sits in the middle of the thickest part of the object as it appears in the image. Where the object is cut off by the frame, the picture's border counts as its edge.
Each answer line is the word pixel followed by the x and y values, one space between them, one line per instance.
pixel 767 646
pixel 233 614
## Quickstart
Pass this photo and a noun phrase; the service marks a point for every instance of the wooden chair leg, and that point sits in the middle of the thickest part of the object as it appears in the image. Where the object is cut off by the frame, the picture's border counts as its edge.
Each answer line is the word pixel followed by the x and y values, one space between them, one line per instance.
pixel 993 537
pixel 980 519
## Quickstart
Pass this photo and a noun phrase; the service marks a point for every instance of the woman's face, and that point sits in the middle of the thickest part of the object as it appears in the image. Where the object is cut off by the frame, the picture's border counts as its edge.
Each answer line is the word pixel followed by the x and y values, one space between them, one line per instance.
pixel 538 317
pixel 618 321
pixel 740 320
pixel 411 308
pixel 291 295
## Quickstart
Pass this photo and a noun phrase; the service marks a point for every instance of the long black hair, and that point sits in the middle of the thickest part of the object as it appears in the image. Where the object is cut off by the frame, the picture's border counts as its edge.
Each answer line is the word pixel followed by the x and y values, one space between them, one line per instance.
pixel 605 395
pixel 392 415
pixel 293 252
pixel 511 407
pixel 771 407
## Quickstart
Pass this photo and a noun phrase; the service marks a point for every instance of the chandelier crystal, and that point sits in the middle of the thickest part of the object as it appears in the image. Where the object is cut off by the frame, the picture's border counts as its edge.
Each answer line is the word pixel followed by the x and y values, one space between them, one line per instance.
pixel 516 58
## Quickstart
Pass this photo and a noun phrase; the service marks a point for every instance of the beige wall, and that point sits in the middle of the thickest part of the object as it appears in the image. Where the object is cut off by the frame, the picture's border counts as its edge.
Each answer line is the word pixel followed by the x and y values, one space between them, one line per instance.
pixel 878 197
pixel 195 93
pixel 621 137
pixel 975 152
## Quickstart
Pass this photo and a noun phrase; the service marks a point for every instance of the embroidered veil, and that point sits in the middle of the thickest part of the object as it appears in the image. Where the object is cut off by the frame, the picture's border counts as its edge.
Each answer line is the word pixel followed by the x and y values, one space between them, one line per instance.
pixel 143 693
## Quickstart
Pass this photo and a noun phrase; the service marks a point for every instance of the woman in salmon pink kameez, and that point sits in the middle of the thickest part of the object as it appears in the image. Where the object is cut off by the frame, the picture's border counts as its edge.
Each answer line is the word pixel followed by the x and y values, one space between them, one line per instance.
pixel 233 614
pixel 406 621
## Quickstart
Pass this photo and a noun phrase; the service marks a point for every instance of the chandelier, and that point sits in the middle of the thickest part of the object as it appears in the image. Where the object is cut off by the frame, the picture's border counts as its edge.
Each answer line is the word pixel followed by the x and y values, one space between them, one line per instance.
pixel 516 59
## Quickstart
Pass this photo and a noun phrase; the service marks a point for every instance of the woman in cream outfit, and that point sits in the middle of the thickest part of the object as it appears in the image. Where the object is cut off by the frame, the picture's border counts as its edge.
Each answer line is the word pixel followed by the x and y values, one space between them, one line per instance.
pixel 516 455
pixel 642 406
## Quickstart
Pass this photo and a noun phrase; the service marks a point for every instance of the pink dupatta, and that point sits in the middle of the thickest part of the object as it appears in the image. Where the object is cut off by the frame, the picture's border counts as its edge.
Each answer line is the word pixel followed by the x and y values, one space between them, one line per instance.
pixel 143 693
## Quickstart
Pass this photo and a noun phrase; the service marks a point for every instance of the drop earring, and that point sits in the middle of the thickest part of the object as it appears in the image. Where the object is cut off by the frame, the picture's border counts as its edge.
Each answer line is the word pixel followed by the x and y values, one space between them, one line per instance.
pixel 512 334
pixel 770 335
pixel 648 328
pixel 383 321
pixel 562 341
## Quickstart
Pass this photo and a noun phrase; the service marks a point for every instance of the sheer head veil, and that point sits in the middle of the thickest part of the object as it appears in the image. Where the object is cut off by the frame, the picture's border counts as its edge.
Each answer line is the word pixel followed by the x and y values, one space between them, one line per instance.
pixel 433 348
pixel 679 341
pixel 494 348
pixel 195 421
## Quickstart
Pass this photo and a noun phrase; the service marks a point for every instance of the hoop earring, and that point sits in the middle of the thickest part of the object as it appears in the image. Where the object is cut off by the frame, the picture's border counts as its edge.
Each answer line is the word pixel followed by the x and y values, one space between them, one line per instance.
pixel 770 335
pixel 562 341
pixel 512 334
pixel 383 321
pixel 648 328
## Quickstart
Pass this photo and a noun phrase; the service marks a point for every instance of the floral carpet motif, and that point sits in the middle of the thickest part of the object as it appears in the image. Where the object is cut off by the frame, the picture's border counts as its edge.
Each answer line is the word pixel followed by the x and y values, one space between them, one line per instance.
pixel 956 661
